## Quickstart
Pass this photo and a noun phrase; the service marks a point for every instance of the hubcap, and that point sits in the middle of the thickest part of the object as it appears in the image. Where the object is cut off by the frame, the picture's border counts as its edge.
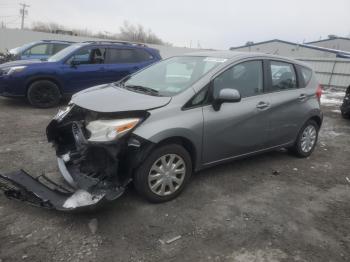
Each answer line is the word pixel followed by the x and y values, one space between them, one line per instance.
pixel 167 174
pixel 308 138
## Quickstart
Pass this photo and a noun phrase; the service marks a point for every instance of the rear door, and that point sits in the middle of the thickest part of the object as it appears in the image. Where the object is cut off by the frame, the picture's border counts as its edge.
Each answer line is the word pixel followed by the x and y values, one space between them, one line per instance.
pixel 287 100
pixel 85 68
pixel 123 61
pixel 237 128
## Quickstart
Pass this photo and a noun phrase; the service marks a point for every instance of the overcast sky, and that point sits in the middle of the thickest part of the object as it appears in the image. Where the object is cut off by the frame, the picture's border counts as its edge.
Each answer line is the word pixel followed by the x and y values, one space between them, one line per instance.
pixel 216 24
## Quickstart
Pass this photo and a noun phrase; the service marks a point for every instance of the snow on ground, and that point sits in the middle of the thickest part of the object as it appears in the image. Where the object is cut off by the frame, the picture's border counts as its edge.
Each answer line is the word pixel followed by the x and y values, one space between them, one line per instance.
pixel 332 98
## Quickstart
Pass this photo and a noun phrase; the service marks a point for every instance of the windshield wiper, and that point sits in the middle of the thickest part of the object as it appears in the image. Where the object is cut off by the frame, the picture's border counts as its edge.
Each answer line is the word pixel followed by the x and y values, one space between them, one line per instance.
pixel 142 89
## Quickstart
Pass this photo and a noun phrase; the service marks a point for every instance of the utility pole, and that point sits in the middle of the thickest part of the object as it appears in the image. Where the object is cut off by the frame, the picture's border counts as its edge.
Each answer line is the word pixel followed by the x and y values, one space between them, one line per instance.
pixel 23 13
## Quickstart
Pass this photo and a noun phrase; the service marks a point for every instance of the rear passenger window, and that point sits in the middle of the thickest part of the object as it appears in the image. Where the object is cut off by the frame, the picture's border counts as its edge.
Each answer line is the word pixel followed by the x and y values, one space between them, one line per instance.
pixel 122 56
pixel 283 76
pixel 57 47
pixel 307 74
pixel 246 77
pixel 38 50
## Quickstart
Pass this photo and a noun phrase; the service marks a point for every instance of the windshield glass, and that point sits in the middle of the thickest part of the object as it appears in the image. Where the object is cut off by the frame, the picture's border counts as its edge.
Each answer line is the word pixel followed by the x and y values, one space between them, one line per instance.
pixel 20 49
pixel 63 53
pixel 172 76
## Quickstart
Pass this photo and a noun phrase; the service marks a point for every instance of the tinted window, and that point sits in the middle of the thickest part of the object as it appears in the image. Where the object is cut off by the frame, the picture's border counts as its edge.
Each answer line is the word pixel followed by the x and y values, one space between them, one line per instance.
pixel 89 56
pixel 117 56
pixel 38 50
pixel 246 77
pixel 57 47
pixel 142 55
pixel 283 76
pixel 307 74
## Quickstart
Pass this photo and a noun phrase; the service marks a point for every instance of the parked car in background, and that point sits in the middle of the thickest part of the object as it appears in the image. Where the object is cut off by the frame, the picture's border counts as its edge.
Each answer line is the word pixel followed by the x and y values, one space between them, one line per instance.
pixel 37 50
pixel 183 114
pixel 345 107
pixel 79 66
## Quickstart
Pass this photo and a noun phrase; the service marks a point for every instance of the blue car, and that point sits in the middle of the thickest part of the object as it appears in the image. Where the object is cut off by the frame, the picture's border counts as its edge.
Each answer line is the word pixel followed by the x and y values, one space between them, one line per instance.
pixel 37 50
pixel 79 66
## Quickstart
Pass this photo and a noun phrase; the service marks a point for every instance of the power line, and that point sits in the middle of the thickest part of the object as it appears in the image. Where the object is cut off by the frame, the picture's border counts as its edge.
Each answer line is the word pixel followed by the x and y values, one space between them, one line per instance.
pixel 23 12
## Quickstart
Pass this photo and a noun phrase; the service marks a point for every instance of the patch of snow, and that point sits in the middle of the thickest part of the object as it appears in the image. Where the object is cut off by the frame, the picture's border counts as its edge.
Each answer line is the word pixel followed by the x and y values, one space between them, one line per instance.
pixel 329 98
pixel 81 198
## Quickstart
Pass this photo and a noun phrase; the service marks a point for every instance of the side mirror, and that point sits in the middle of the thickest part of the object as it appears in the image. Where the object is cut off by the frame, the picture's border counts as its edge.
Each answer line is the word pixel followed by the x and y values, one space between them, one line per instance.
pixel 226 95
pixel 74 63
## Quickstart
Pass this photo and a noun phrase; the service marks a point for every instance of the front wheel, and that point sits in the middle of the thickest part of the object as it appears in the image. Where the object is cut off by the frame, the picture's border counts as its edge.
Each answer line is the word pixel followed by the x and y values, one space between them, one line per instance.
pixel 306 140
pixel 43 94
pixel 164 173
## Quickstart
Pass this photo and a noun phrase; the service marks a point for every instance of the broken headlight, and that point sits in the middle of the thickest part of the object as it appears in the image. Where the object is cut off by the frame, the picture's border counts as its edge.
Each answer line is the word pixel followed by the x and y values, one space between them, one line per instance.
pixel 108 130
pixel 63 112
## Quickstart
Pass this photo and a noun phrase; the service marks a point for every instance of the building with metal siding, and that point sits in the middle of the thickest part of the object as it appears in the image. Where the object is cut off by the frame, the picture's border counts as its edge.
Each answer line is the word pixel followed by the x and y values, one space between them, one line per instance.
pixel 339 43
pixel 290 49
pixel 332 67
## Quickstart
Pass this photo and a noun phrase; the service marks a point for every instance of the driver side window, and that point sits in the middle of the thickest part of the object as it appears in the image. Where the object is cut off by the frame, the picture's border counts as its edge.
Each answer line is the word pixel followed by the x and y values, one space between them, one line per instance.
pixel 246 77
pixel 89 56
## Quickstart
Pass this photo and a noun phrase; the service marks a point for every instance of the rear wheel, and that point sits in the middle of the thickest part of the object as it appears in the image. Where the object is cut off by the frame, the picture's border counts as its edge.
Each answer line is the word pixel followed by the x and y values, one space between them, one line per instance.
pixel 164 174
pixel 43 94
pixel 306 140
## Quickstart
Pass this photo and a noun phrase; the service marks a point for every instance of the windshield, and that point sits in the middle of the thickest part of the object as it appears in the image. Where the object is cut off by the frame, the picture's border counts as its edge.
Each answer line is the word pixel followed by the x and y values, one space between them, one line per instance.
pixel 20 49
pixel 172 76
pixel 63 53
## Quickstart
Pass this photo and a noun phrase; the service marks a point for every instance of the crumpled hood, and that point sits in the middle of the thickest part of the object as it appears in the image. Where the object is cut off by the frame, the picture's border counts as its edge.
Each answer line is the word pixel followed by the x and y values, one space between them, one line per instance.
pixel 21 63
pixel 110 98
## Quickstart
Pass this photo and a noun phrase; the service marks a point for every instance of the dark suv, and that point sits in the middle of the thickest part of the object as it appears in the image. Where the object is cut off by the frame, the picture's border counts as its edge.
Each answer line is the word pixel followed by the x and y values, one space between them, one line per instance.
pixel 36 50
pixel 79 66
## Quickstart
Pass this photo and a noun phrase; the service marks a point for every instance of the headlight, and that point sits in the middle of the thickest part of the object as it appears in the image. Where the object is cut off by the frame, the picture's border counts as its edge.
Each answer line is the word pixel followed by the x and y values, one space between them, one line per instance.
pixel 63 112
pixel 108 130
pixel 12 70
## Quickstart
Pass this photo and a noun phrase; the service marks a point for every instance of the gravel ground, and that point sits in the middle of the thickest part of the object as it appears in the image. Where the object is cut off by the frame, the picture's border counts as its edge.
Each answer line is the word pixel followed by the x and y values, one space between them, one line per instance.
pixel 272 207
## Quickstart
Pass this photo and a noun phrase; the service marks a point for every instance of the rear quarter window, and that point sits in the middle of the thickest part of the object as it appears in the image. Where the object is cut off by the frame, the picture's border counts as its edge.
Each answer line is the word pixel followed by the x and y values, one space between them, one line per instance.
pixel 306 73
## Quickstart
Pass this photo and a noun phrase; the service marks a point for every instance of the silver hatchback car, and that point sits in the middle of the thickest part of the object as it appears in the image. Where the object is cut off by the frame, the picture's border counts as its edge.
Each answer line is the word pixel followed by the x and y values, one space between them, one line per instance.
pixel 183 114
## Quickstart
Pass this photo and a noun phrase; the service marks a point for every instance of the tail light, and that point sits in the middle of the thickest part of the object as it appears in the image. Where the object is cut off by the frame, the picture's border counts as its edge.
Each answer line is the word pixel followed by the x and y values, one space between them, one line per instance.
pixel 319 92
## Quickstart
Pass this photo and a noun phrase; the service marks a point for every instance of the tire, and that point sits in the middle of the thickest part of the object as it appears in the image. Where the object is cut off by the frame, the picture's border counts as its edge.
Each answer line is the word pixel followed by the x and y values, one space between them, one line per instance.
pixel 345 115
pixel 43 94
pixel 304 146
pixel 147 174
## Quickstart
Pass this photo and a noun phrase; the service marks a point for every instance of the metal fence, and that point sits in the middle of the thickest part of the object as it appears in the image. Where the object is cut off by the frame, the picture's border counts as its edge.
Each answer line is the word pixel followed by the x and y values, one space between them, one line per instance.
pixel 331 72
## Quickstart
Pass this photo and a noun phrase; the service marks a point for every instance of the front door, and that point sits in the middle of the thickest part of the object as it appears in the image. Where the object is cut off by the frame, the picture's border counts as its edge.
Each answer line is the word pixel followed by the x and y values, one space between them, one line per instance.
pixel 86 68
pixel 237 128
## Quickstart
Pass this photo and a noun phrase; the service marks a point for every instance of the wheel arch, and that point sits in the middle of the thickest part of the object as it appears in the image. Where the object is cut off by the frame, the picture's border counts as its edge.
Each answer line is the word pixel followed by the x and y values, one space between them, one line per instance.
pixel 185 143
pixel 317 119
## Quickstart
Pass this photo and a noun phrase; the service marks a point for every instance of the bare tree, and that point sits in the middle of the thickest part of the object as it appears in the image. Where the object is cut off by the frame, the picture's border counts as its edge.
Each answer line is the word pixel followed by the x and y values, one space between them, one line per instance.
pixel 137 33
pixel 127 32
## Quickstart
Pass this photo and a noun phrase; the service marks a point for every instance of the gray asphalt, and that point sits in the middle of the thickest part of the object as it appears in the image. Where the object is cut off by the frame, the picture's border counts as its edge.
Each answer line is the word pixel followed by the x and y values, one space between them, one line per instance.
pixel 272 207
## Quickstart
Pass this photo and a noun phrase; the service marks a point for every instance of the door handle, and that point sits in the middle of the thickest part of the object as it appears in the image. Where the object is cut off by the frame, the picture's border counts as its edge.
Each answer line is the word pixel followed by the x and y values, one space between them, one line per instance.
pixel 262 105
pixel 302 96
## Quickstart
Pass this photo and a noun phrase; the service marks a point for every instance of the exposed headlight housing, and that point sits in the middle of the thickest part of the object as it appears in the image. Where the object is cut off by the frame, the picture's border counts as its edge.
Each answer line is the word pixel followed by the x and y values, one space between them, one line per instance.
pixel 12 70
pixel 63 112
pixel 109 130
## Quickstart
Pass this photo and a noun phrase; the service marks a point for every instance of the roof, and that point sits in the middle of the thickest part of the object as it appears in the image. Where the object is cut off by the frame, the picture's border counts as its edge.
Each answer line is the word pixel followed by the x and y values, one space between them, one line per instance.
pixel 329 39
pixel 239 55
pixel 339 53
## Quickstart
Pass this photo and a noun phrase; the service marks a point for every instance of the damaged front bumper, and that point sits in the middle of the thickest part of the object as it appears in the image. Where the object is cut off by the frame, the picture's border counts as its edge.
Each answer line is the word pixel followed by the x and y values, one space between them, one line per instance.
pixel 94 172
pixel 43 192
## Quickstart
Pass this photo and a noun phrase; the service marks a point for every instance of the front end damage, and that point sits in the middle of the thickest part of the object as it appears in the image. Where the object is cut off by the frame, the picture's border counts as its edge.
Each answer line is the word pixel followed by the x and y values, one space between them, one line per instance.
pixel 94 171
